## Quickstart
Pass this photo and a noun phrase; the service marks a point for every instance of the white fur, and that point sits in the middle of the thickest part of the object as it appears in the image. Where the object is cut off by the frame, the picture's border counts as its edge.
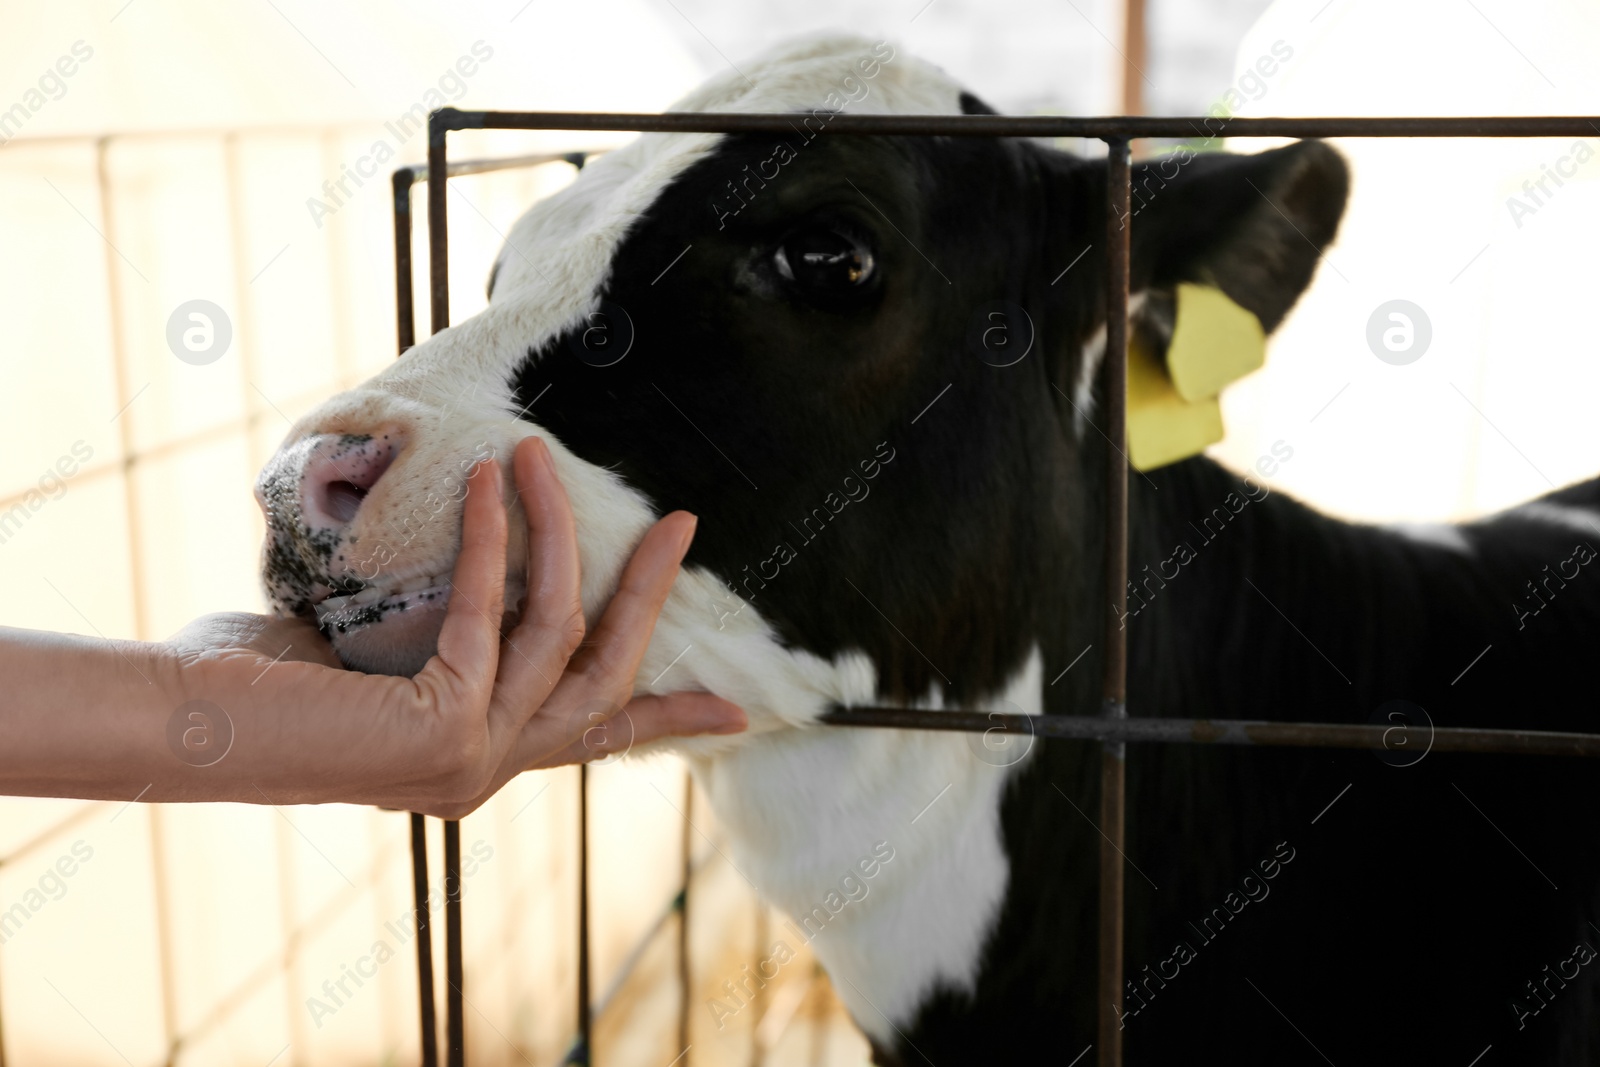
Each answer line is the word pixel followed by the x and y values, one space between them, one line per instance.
pixel 801 805
pixel 801 808
pixel 1442 534
pixel 1577 520
pixel 1094 352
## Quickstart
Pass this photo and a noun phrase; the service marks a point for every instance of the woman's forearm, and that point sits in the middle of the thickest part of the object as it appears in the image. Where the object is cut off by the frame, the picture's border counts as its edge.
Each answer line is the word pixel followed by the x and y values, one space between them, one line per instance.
pixel 102 719
pixel 85 716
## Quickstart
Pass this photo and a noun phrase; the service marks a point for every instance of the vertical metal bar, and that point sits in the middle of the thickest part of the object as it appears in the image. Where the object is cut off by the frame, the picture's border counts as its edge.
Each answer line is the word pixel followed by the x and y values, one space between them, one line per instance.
pixel 583 1054
pixel 404 300
pixel 438 228
pixel 685 979
pixel 406 335
pixel 1113 755
pixel 425 986
pixel 455 1020
pixel 439 286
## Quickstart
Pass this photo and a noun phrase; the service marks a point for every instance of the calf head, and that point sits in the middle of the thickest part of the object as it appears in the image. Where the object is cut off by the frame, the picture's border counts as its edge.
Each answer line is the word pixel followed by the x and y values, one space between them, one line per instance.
pixel 866 363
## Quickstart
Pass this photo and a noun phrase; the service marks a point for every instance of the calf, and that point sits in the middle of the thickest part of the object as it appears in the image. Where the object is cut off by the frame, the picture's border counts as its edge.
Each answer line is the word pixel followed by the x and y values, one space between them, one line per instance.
pixel 789 336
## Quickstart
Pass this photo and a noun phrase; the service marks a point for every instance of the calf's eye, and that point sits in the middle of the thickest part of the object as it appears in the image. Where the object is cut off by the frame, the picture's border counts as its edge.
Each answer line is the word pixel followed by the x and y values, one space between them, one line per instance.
pixel 822 262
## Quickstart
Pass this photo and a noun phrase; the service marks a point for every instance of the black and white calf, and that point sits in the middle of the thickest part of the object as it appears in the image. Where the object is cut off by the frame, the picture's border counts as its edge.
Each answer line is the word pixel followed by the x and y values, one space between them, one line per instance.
pixel 888 518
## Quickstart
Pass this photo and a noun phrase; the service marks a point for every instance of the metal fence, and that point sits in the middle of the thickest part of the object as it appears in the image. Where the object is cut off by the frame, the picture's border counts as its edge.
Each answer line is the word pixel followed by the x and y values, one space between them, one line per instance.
pixel 1112 729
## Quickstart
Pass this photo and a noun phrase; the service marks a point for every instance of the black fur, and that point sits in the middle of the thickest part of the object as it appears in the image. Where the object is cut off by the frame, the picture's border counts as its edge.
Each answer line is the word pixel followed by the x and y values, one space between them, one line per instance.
pixel 1404 925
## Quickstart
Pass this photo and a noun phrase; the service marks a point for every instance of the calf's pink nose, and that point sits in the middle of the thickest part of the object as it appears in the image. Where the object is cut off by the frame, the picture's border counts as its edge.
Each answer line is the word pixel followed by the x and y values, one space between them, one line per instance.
pixel 340 472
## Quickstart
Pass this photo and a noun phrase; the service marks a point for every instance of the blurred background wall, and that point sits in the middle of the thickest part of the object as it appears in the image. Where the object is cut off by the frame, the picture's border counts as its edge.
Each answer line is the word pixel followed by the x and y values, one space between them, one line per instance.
pixel 157 152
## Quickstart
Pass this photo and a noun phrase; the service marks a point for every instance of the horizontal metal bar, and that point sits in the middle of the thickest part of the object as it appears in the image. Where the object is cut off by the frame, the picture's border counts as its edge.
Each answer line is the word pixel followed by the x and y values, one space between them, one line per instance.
pixel 1225 731
pixel 419 171
pixel 824 121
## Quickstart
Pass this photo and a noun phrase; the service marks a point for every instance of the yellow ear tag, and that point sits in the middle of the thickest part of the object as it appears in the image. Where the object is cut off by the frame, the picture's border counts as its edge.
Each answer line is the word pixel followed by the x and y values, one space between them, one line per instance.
pixel 1173 411
pixel 1214 342
pixel 1163 427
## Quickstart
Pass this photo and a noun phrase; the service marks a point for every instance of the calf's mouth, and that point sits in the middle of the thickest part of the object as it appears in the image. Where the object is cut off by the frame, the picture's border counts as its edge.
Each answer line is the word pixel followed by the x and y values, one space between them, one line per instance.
pixel 335 556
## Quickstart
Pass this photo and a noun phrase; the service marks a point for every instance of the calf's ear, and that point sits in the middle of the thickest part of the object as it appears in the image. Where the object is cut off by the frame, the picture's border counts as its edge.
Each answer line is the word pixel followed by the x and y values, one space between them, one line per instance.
pixel 1254 226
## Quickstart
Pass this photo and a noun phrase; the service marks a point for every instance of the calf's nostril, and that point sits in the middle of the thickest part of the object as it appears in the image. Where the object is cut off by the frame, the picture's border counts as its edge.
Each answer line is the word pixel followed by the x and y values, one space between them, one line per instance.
pixel 341 500
pixel 339 474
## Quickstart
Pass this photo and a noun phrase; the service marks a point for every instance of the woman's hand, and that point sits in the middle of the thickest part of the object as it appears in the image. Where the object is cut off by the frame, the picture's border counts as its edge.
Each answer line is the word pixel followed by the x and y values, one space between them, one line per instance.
pixel 285 724
pixel 487 708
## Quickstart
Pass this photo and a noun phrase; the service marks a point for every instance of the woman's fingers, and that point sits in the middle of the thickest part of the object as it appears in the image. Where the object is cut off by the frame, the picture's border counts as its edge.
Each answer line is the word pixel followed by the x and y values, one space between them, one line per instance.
pixel 683 714
pixel 600 678
pixel 469 641
pixel 578 703
pixel 651 717
pixel 551 626
pixel 643 720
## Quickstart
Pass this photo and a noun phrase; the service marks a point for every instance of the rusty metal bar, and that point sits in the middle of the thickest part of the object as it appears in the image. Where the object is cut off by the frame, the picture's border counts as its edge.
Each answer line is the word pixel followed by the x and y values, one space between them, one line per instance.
pixel 1229 732
pixel 404 298
pixel 1128 126
pixel 438 226
pixel 455 1017
pixel 418 172
pixel 1114 685
pixel 583 1052
pixel 439 319
pixel 406 336
pixel 427 1020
